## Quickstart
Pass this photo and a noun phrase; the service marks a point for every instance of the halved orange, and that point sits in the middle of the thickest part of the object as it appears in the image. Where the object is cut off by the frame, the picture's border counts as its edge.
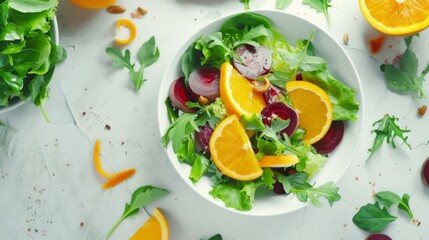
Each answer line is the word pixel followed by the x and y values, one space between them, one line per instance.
pixel 396 17
pixel 314 109
pixel 232 151
pixel 156 228
pixel 286 160
pixel 93 4
pixel 237 93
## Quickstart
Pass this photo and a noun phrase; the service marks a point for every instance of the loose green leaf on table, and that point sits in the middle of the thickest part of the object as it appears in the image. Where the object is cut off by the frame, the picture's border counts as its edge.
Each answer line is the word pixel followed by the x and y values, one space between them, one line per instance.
pixel 283 4
pixel 320 6
pixel 216 237
pixel 246 4
pixel 404 78
pixel 372 218
pixel 140 198
pixel 387 129
pixel 388 199
pixel 147 54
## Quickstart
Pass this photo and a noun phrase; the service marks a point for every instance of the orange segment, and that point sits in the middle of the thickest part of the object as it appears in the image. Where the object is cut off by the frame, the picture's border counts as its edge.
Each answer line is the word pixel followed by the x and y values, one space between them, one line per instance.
pixel 156 228
pixel 314 109
pixel 396 17
pixel 232 152
pixel 93 4
pixel 237 92
pixel 278 161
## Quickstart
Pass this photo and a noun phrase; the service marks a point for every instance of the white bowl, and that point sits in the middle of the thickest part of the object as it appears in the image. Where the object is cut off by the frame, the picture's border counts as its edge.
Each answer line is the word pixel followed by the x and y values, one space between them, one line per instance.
pixel 339 64
pixel 17 102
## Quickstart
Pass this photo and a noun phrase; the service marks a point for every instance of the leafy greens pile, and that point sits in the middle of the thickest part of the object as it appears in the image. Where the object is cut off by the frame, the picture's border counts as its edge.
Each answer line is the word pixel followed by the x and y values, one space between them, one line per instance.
pixel 28 53
pixel 214 49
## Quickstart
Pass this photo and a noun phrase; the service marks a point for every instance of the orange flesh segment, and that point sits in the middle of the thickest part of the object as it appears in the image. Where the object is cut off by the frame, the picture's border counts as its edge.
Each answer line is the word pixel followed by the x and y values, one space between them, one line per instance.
pixel 278 161
pixel 156 228
pixel 376 44
pixel 118 178
pixel 97 161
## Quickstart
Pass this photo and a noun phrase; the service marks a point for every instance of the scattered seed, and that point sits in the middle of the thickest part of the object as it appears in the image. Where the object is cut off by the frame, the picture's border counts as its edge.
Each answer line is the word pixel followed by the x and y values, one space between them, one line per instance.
pixel 422 110
pixel 116 9
pixel 346 39
pixel 142 11
pixel 107 127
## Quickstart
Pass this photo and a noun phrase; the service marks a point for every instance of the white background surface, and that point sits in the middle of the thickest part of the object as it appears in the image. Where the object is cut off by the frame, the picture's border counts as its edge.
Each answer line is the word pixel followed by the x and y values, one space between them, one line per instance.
pixel 50 190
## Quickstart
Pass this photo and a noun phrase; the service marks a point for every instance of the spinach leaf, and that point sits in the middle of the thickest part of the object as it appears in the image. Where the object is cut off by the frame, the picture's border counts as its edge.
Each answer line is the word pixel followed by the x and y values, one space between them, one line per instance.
pixel 372 218
pixel 147 54
pixel 404 78
pixel 141 197
pixel 283 4
pixel 386 129
pixel 320 6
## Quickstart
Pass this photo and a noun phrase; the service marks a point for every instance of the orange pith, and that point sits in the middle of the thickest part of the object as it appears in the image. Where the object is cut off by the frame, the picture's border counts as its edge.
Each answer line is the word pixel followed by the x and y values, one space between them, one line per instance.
pixel 237 92
pixel 232 152
pixel 314 109
pixel 278 161
pixel 93 4
pixel 396 17
pixel 156 228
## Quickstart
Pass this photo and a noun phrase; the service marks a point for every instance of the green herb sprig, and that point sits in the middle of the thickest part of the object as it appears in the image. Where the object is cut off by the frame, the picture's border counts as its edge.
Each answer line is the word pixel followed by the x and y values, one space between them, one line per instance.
pixel 140 198
pixel 320 6
pixel 283 4
pixel 387 129
pixel 246 4
pixel 147 55
pixel 375 217
pixel 404 78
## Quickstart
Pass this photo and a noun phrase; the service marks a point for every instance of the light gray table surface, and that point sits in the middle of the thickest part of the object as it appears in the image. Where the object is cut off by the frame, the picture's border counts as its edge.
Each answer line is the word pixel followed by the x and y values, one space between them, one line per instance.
pixel 50 190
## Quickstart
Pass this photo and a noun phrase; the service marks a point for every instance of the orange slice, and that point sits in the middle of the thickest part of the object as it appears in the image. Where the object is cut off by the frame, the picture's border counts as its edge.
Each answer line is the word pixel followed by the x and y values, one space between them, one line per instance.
pixel 237 92
pixel 396 17
pixel 314 109
pixel 278 161
pixel 232 152
pixel 93 4
pixel 156 228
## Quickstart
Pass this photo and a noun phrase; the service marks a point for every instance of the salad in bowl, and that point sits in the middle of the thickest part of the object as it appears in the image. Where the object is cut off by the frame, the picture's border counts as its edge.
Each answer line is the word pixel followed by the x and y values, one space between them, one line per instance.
pixel 260 112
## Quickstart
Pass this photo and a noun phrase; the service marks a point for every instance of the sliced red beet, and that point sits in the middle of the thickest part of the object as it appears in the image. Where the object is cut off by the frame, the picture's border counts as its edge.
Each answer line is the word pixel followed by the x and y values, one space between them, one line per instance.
pixel 203 138
pixel 298 77
pixel 204 82
pixel 255 61
pixel 272 94
pixel 378 236
pixel 425 172
pixel 331 139
pixel 179 95
pixel 281 110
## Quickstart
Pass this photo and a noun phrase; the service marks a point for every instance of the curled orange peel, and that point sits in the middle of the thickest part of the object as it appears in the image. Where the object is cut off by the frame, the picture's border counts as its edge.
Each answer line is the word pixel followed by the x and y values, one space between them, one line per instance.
pixel 113 179
pixel 130 25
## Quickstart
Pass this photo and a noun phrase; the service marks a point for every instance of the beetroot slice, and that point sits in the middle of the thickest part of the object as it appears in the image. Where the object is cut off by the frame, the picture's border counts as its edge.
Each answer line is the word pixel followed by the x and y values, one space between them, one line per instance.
pixel 281 110
pixel 256 61
pixel 425 172
pixel 204 82
pixel 179 95
pixel 272 94
pixel 331 139
pixel 203 138
pixel 378 236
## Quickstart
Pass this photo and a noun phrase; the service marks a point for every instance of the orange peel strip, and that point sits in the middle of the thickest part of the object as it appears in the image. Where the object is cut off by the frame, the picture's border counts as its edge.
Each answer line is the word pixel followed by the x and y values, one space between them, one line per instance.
pixel 130 25
pixel 97 161
pixel 118 178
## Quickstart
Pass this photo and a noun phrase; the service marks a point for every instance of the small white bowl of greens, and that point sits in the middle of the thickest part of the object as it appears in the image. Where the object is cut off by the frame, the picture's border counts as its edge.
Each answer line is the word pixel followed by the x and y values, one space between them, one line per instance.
pixel 184 130
pixel 29 47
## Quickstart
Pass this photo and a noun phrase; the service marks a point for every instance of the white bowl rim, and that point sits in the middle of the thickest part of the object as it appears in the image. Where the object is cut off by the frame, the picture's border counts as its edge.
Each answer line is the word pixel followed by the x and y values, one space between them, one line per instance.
pixel 263 12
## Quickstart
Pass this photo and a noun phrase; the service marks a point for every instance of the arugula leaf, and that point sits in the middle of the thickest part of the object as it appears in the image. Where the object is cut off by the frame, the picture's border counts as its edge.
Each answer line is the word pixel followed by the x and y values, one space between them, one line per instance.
pixel 283 4
pixel 372 218
pixel 246 4
pixel 320 6
pixel 141 197
pixel 147 54
pixel 388 199
pixel 386 129
pixel 179 130
pixel 199 168
pixel 304 191
pixel 404 78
